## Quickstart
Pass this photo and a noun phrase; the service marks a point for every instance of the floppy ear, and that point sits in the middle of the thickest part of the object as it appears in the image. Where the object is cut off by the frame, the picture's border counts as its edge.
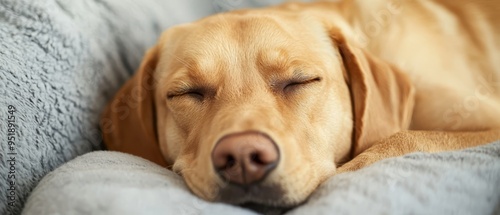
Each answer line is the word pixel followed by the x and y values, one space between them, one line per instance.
pixel 128 123
pixel 382 96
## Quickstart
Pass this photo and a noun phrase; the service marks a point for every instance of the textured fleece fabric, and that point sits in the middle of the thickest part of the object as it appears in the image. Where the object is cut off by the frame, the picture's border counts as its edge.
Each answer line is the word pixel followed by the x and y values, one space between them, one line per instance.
pixel 459 182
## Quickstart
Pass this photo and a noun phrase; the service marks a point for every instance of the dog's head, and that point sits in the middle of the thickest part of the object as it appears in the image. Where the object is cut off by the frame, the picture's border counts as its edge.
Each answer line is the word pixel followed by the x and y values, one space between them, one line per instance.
pixel 255 106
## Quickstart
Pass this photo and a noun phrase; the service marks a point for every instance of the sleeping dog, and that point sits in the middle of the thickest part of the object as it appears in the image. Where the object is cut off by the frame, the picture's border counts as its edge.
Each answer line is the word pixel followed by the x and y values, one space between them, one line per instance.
pixel 261 106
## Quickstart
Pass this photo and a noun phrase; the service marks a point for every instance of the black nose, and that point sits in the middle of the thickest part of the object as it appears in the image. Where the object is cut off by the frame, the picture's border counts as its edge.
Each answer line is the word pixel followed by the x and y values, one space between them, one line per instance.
pixel 245 158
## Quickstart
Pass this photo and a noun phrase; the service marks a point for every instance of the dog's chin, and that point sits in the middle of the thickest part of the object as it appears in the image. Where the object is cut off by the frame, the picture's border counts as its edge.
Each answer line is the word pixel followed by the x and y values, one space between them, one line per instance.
pixel 263 198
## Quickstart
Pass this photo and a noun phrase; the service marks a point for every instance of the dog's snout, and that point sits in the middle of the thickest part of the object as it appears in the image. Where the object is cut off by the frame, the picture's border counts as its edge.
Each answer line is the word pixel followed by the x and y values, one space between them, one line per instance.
pixel 245 158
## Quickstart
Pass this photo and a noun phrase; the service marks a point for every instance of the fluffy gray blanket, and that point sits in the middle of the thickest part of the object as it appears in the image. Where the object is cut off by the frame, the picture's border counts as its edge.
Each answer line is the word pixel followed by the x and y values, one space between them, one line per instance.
pixel 460 182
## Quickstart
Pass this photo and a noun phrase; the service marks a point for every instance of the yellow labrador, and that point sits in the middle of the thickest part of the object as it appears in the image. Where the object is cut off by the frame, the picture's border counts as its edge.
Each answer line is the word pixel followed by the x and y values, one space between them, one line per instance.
pixel 261 106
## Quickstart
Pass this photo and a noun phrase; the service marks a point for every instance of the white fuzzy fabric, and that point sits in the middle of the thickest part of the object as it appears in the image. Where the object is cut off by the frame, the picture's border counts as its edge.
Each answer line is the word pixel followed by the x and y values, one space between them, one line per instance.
pixel 460 182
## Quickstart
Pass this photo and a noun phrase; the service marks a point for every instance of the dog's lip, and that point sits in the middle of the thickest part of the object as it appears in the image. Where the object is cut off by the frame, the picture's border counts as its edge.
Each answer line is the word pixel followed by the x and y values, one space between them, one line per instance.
pixel 263 201
pixel 263 193
pixel 264 198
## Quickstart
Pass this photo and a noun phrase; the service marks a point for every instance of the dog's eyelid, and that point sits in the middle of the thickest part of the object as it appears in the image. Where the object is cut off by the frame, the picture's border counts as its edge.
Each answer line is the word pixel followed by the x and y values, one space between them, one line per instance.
pixel 197 93
pixel 294 83
pixel 303 80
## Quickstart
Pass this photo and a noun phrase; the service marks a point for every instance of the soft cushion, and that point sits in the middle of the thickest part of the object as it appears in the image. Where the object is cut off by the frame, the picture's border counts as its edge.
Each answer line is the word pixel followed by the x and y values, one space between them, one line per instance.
pixel 459 182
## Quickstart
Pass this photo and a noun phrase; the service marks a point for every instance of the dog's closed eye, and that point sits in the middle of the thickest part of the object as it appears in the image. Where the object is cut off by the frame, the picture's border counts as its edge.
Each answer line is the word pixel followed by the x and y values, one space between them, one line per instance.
pixel 294 84
pixel 194 93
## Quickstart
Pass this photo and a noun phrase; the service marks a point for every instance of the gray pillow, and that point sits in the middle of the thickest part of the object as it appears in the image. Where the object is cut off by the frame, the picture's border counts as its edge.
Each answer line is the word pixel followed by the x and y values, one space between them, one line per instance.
pixel 459 182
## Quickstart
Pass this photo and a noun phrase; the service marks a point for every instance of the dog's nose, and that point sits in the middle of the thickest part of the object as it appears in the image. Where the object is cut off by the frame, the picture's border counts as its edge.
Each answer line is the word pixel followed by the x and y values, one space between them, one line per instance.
pixel 245 158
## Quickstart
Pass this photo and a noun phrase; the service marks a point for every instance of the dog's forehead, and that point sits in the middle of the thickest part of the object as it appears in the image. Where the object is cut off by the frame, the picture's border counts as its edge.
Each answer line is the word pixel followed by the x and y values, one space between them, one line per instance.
pixel 245 26
pixel 235 39
pixel 229 34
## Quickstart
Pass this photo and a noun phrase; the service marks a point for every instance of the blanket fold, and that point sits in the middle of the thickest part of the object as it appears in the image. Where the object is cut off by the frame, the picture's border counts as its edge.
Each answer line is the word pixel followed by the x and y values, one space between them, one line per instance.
pixel 458 182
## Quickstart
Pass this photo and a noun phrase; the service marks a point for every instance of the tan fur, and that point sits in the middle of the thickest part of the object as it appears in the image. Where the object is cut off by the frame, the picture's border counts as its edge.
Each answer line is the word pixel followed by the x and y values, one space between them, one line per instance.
pixel 369 74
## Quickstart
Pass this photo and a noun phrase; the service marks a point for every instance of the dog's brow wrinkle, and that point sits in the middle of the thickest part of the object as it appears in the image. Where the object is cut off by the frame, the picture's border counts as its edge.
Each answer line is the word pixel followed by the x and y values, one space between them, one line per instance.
pixel 297 73
pixel 181 87
pixel 274 58
pixel 183 62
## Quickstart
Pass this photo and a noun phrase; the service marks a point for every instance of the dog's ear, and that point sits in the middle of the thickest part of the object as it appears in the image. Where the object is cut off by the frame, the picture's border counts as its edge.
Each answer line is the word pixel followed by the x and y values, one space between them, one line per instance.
pixel 382 96
pixel 128 123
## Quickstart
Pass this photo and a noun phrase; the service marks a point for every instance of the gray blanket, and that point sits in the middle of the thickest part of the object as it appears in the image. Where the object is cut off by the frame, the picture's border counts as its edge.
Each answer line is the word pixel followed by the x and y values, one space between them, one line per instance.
pixel 460 182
